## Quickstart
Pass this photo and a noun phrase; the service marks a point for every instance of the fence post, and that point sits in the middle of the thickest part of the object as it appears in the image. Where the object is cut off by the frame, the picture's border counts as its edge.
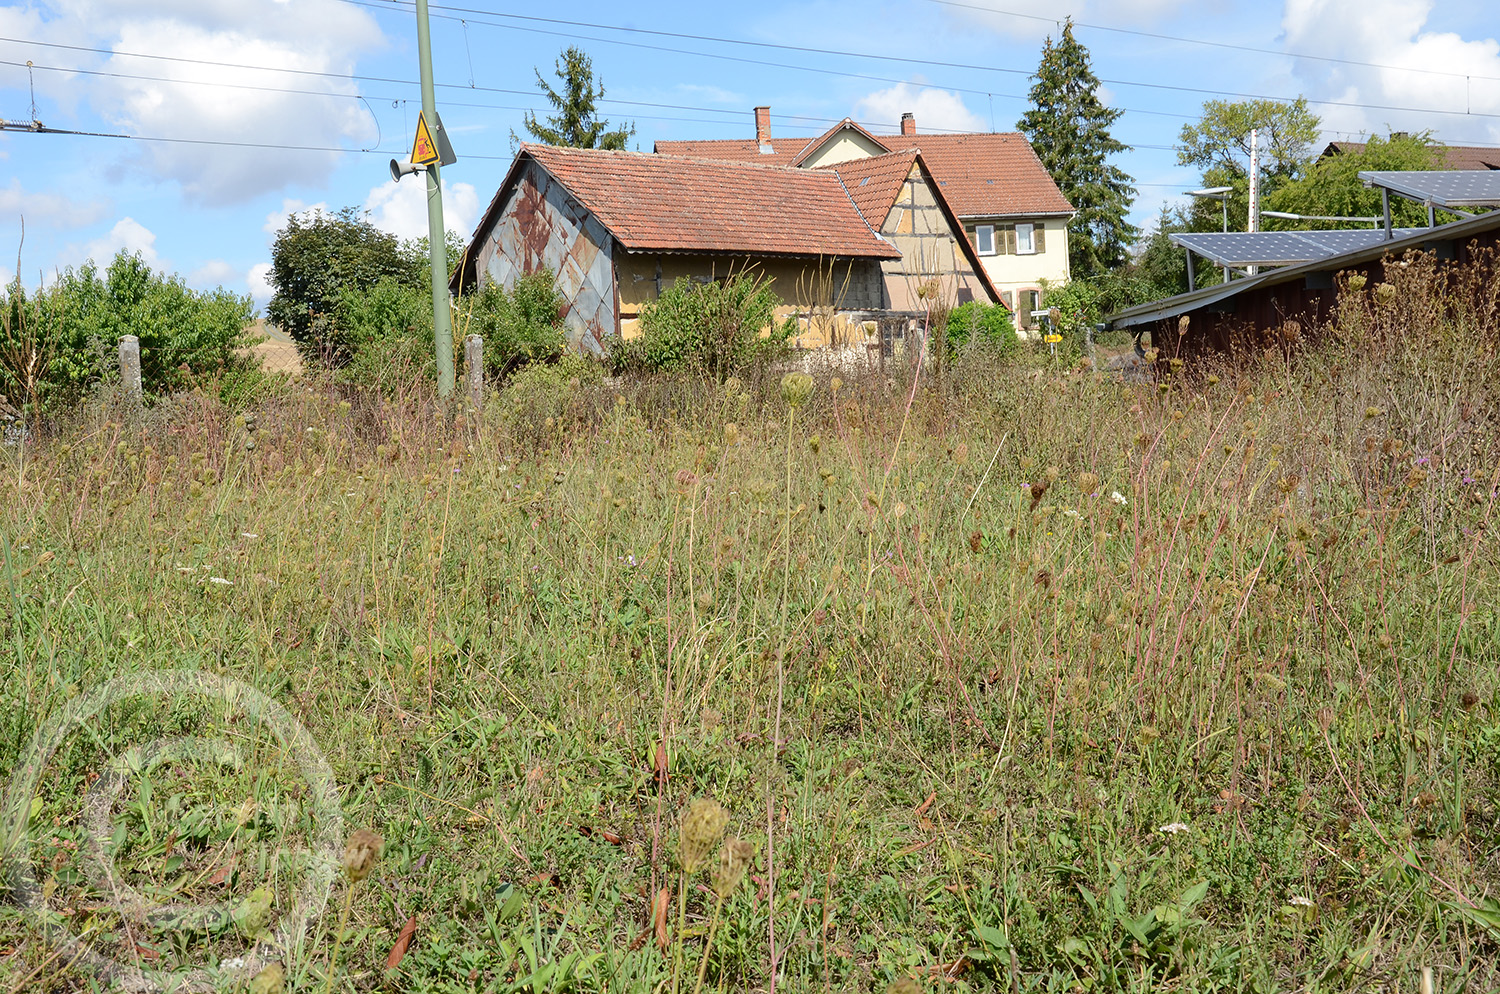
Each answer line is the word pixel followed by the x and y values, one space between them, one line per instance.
pixel 130 370
pixel 474 356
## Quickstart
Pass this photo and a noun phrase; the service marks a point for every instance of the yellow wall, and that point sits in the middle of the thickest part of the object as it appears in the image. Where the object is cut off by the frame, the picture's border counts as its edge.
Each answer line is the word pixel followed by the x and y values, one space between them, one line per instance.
pixel 803 286
pixel 1014 273
pixel 848 144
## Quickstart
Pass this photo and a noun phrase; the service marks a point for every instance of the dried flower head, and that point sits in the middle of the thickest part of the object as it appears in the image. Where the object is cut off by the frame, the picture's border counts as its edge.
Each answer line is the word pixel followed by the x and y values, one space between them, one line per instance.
pixel 1357 281
pixel 835 384
pixel 796 388
pixel 1088 482
pixel 734 860
pixel 731 433
pixel 361 852
pixel 270 980
pixel 702 826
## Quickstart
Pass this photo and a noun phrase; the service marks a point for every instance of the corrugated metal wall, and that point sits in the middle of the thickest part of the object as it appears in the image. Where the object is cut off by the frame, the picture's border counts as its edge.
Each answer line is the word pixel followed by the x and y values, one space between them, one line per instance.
pixel 541 226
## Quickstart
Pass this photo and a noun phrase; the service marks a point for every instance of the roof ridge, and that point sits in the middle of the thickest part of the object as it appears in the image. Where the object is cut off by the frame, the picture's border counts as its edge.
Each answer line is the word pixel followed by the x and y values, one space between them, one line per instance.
pixel 666 156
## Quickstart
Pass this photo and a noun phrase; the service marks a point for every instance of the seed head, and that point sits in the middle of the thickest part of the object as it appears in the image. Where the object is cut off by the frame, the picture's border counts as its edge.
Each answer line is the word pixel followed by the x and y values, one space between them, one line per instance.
pixel 702 826
pixel 835 384
pixel 1088 482
pixel 1357 281
pixel 731 433
pixel 734 859
pixel 360 853
pixel 270 980
pixel 796 388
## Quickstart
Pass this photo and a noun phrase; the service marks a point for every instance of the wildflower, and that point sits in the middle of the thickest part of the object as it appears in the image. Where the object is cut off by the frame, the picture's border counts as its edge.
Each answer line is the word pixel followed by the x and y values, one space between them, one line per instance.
pixel 248 535
pixel 1072 514
pixel 731 433
pixel 1172 828
pixel 1357 281
pixel 734 860
pixel 835 384
pixel 702 825
pixel 1118 498
pixel 1088 482
pixel 1212 379
pixel 361 852
pixel 1385 293
pixel 220 581
pixel 1298 901
pixel 795 389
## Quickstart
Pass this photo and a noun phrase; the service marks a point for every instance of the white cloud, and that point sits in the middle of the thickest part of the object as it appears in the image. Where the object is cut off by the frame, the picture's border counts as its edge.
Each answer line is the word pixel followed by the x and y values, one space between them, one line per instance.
pixel 213 273
pixel 935 109
pixel 401 208
pixel 258 281
pixel 53 210
pixel 189 102
pixel 276 220
pixel 1391 33
pixel 128 235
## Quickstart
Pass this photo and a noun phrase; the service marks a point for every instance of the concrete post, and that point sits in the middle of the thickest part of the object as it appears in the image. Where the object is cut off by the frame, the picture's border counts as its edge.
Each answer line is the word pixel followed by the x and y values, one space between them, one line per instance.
pixel 474 356
pixel 130 370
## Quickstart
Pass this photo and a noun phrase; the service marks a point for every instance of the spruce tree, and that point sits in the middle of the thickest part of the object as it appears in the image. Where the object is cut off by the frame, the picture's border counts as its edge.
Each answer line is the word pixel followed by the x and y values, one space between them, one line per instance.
pixel 576 122
pixel 1068 127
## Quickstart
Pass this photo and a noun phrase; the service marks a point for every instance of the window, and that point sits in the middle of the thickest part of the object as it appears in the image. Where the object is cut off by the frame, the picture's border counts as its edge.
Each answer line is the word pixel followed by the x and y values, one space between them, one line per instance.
pixel 1024 243
pixel 1026 302
pixel 984 239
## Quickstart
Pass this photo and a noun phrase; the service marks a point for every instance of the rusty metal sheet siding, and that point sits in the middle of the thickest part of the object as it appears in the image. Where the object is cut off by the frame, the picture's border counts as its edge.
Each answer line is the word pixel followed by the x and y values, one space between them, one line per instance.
pixel 541 226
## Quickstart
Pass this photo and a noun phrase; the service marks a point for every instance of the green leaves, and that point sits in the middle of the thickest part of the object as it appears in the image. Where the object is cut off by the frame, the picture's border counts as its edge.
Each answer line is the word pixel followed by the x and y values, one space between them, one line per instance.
pixel 1068 127
pixel 576 122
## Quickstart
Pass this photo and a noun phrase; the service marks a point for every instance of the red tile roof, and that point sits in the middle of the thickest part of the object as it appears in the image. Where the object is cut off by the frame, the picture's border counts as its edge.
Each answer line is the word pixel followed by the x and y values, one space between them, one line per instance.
pixel 873 183
pixel 1457 157
pixel 980 174
pixel 659 203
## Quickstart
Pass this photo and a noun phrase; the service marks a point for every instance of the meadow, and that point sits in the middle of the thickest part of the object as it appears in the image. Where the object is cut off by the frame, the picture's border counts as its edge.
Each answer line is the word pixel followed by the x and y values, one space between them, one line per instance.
pixel 1007 676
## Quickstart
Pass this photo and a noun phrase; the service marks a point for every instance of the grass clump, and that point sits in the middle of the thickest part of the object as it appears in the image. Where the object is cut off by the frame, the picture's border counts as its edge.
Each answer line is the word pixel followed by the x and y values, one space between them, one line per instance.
pixel 1084 685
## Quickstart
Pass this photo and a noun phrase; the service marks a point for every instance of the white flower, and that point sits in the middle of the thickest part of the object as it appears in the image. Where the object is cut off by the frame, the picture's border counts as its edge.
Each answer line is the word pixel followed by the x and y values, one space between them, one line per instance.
pixel 1118 498
pixel 248 535
pixel 1072 513
pixel 1300 902
pixel 221 581
pixel 1172 829
pixel 186 569
pixel 233 963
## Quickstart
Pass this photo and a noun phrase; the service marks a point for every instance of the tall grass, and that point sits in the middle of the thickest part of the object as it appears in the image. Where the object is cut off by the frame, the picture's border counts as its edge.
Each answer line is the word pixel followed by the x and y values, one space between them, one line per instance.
pixel 1085 685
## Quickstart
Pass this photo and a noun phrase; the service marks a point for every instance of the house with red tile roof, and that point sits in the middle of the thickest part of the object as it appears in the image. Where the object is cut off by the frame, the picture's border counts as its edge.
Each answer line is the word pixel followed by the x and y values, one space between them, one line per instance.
pixel 1454 157
pixel 1015 217
pixel 618 227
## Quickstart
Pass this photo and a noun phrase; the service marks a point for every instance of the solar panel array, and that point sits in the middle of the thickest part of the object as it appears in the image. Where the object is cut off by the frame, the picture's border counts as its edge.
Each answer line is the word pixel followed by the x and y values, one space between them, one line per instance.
pixel 1444 188
pixel 1280 248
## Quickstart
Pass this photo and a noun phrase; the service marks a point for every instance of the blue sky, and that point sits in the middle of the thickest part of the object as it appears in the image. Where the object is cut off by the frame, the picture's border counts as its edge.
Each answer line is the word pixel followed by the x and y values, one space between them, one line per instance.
pixel 337 77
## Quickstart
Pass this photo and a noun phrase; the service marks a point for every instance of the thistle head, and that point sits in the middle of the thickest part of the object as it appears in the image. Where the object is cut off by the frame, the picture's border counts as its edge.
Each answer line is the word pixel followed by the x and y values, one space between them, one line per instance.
pixel 734 860
pixel 360 854
pixel 796 388
pixel 702 826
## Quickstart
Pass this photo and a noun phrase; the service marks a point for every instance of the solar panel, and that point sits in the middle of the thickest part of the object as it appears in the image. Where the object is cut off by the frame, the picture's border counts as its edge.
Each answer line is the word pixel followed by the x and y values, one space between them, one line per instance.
pixel 1443 188
pixel 1279 248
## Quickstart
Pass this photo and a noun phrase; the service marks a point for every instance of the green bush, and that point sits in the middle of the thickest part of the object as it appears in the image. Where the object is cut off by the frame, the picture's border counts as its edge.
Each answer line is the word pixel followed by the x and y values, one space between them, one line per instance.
pixel 317 260
pixel 57 341
pixel 519 327
pixel 714 329
pixel 981 324
pixel 386 329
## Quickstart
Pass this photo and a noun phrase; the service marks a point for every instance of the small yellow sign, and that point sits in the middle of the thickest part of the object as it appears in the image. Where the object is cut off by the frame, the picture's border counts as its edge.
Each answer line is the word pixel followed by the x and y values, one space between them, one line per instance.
pixel 424 151
pixel 1054 338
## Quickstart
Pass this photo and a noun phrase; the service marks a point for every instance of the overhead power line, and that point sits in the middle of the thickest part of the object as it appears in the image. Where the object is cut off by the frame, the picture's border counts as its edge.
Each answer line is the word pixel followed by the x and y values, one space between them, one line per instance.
pixel 1170 87
pixel 1214 44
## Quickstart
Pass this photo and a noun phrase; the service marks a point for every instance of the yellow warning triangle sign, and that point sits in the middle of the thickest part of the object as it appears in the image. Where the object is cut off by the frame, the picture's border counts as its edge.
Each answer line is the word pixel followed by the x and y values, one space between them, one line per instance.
pixel 424 151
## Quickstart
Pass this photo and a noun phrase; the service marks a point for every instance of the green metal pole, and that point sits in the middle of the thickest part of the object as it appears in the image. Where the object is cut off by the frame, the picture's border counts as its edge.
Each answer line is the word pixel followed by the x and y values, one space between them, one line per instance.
pixel 442 317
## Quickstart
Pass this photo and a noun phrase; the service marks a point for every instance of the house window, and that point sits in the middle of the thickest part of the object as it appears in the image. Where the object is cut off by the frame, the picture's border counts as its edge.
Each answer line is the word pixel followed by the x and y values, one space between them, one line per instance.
pixel 1025 244
pixel 1026 302
pixel 984 239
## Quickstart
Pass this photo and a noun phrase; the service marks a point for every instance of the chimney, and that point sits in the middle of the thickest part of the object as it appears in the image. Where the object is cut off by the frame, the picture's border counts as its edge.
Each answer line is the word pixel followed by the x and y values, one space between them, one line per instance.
pixel 762 125
pixel 908 123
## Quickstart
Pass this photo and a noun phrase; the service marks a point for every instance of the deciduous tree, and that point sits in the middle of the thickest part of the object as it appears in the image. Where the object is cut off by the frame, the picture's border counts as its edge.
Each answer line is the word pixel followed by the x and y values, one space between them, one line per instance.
pixel 1068 127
